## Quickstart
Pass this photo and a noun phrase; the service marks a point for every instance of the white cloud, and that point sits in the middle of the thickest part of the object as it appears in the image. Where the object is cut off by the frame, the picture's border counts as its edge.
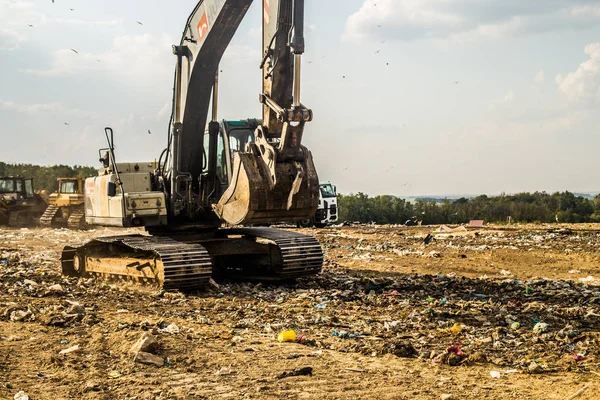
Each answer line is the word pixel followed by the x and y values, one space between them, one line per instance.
pixel 509 97
pixel 539 77
pixel 164 111
pixel 75 21
pixel 583 85
pixel 51 108
pixel 19 13
pixel 9 39
pixel 141 58
pixel 422 19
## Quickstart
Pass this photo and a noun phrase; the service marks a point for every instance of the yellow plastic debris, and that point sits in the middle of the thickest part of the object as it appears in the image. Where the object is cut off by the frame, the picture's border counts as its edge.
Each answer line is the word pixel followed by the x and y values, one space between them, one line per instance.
pixel 456 329
pixel 287 336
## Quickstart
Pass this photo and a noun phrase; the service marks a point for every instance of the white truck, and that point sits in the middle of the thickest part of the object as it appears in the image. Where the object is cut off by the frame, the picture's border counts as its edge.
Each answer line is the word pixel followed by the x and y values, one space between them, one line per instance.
pixel 327 213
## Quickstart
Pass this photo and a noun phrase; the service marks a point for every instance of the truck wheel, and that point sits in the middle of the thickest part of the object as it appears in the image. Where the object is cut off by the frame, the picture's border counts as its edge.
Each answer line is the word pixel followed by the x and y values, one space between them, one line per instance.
pixel 306 223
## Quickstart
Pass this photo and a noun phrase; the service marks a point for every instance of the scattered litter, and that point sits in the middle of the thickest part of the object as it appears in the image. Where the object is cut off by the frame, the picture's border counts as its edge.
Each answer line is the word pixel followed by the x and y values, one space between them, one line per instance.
pixel 579 392
pixel 225 371
pixel 21 395
pixel 171 328
pixel 297 372
pixel 355 370
pixel 456 329
pixel 588 279
pixel 114 374
pixel 287 336
pixel 540 328
pixel 71 349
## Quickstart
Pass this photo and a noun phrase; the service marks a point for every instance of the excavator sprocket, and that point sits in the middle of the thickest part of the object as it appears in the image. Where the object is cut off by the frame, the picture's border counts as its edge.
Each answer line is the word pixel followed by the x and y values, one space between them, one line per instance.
pixel 49 215
pixel 157 260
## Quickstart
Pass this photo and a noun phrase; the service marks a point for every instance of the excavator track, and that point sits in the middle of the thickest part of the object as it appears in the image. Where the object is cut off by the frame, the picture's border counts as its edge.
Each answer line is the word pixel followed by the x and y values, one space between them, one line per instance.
pixel 186 262
pixel 158 260
pixel 76 219
pixel 295 255
pixel 49 215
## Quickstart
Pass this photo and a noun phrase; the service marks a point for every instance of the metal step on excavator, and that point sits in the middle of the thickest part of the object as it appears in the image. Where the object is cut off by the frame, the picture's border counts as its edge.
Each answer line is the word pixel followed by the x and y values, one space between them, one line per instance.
pixel 213 179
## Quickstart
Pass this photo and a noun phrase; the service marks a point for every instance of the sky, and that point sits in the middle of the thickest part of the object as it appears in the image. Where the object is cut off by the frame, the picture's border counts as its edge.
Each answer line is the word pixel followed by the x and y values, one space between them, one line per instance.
pixel 410 97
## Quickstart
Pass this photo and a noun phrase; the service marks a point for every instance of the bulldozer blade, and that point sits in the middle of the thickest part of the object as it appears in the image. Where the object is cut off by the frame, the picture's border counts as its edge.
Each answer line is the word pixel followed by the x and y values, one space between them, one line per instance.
pixel 251 198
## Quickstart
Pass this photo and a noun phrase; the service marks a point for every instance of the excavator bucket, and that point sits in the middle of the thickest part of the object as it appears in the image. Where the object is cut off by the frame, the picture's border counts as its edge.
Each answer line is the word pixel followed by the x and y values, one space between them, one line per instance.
pixel 252 198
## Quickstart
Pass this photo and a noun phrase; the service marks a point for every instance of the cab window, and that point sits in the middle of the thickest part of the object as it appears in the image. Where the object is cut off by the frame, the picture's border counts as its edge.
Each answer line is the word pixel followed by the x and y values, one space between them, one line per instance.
pixel 68 187
pixel 29 188
pixel 7 186
pixel 221 157
pixel 327 190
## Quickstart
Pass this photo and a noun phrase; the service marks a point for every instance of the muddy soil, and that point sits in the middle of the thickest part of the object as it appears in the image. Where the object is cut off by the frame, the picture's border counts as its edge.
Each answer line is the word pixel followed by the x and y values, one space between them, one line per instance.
pixel 497 312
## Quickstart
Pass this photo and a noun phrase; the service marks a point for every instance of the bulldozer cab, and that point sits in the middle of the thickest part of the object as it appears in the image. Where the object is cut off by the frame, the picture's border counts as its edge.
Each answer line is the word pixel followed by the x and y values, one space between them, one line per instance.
pixel 69 186
pixel 16 188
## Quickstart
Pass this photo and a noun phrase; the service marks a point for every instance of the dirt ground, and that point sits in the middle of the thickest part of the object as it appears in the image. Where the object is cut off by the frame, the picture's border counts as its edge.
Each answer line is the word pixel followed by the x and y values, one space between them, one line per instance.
pixel 491 313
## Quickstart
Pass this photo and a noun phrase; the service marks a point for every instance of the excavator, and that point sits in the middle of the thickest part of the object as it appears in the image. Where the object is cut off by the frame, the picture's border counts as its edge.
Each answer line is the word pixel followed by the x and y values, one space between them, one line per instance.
pixel 205 201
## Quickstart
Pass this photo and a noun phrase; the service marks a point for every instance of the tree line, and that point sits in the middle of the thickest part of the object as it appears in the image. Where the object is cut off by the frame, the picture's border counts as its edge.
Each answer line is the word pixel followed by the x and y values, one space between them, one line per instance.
pixel 520 207
pixel 44 177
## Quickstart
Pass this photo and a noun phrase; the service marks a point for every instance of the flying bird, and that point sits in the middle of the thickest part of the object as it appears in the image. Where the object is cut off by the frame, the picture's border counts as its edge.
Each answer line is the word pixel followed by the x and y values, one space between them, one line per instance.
pixel 29 25
pixel 74 51
pixel 344 76
pixel 310 62
pixel 66 123
pixel 139 22
pixel 345 169
pixel 455 82
pixel 72 9
pixel 389 169
pixel 149 133
pixel 377 52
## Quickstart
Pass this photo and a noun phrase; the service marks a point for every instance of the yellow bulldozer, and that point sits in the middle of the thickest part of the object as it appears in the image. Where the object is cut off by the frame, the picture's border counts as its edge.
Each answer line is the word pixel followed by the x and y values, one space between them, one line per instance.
pixel 65 207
